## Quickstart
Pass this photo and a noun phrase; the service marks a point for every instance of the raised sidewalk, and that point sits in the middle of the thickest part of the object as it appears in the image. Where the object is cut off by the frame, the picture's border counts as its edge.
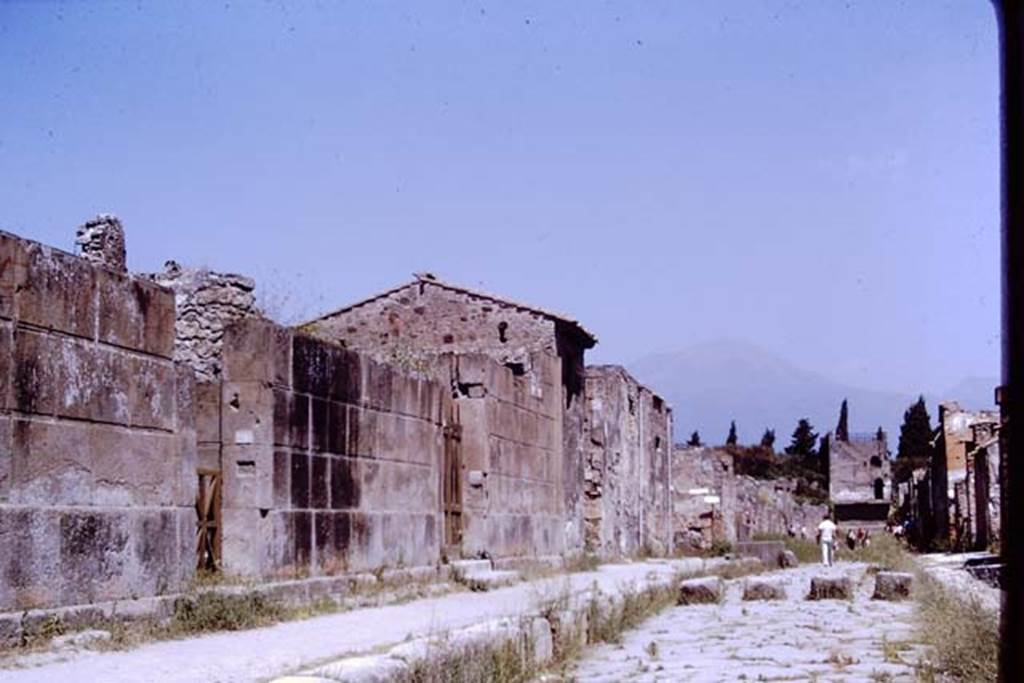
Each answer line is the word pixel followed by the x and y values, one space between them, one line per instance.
pixel 286 648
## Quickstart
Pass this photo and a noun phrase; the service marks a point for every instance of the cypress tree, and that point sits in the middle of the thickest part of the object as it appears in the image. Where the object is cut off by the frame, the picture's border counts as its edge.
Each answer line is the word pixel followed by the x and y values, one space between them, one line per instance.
pixel 803 441
pixel 915 440
pixel 731 439
pixel 768 439
pixel 842 429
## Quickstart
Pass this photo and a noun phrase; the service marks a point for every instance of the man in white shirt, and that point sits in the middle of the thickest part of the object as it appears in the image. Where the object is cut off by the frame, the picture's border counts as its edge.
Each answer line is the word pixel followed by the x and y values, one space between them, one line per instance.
pixel 827 538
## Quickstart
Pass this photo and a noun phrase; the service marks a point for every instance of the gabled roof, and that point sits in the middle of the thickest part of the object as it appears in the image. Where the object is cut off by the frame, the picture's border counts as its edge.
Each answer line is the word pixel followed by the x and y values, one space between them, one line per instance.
pixel 432 280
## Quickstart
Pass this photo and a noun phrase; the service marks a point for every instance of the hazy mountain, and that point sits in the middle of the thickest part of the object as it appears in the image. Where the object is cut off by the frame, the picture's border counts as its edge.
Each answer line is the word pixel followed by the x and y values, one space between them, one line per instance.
pixel 710 384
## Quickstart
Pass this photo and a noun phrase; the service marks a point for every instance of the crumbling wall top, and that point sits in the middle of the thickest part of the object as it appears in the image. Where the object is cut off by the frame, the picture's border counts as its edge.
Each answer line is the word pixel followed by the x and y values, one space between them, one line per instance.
pixel 100 240
pixel 207 302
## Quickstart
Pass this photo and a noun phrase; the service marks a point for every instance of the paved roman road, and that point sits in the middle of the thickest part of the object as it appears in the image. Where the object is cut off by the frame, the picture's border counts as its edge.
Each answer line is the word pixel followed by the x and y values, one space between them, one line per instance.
pixel 790 640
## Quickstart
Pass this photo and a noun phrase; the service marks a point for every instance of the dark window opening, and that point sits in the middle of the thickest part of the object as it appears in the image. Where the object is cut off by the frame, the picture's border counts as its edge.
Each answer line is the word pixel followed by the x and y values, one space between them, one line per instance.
pixel 518 369
pixel 502 329
pixel 879 489
pixel 657 443
pixel 658 404
pixel 632 406
pixel 448 339
pixel 876 461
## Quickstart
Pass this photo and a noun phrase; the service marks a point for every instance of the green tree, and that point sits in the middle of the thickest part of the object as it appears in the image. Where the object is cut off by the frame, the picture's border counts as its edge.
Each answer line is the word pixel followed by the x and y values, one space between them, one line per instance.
pixel 915 447
pixel 803 442
pixel 731 439
pixel 694 440
pixel 768 439
pixel 842 429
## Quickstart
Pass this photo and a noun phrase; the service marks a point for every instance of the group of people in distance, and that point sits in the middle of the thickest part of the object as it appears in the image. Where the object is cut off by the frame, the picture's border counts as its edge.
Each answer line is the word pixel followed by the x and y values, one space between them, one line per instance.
pixel 827 539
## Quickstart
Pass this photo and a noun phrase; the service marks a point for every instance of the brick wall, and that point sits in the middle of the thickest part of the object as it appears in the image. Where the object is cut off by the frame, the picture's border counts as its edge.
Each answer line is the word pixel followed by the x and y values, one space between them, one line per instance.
pixel 331 460
pixel 97 441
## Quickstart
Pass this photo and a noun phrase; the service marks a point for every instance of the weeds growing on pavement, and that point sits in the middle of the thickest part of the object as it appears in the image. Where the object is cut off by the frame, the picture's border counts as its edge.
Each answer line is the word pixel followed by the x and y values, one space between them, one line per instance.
pixel 506 661
pixel 963 633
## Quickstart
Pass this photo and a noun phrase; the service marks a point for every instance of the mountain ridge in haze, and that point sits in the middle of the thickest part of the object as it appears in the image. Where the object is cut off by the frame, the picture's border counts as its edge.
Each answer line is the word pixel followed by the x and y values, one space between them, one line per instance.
pixel 712 383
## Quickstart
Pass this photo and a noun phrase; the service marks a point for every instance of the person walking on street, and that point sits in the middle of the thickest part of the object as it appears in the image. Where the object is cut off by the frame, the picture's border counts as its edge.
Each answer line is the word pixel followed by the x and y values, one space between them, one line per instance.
pixel 827 539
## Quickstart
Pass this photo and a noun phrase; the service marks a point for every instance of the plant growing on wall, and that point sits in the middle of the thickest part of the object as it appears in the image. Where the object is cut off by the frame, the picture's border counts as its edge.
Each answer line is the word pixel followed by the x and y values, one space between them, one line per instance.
pixel 694 440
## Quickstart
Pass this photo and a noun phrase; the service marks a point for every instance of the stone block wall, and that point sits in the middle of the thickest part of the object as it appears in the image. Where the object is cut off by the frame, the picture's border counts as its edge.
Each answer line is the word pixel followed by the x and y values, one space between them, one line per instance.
pixel 704 498
pixel 331 460
pixel 97 438
pixel 511 438
pixel 626 481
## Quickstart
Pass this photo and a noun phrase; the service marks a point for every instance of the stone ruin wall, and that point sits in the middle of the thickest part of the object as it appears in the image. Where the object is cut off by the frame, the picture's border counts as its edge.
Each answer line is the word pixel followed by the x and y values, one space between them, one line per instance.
pixel 513 503
pixel 696 474
pixel 97 440
pixel 854 467
pixel 768 507
pixel 626 487
pixel 206 304
pixel 748 508
pixel 331 459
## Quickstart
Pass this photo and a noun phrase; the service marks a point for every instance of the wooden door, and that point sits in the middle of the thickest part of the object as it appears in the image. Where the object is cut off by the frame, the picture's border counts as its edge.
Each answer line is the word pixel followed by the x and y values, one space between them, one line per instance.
pixel 208 521
pixel 451 490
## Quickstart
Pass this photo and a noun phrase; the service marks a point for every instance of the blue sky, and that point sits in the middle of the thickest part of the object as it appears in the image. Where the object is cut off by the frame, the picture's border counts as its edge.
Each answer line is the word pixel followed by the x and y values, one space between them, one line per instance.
pixel 819 178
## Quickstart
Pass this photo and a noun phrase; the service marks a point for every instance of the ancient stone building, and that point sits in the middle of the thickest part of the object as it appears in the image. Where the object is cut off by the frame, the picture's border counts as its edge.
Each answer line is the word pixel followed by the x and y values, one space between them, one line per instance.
pixel 982 485
pixel 627 485
pixel 412 324
pixel 960 480
pixel 152 426
pixel 97 437
pixel 859 477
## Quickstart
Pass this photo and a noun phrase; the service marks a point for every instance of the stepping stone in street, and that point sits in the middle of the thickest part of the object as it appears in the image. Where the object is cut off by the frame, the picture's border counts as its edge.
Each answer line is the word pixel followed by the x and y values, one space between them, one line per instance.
pixel 760 589
pixel 831 588
pixel 700 591
pixel 788 560
pixel 892 585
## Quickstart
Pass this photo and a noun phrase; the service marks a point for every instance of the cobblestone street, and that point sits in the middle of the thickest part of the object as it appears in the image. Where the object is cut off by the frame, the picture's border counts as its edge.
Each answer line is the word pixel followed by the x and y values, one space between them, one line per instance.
pixel 790 640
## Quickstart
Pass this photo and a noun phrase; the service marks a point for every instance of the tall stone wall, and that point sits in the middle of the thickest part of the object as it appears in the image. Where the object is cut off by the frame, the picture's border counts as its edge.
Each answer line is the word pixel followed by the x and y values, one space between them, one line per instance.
pixel 97 439
pixel 513 504
pixel 331 460
pixel 627 497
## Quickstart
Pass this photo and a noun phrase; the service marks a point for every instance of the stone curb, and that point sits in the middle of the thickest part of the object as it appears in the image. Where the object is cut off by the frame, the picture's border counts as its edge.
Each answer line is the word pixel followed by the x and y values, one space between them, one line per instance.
pixel 291 593
pixel 541 635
